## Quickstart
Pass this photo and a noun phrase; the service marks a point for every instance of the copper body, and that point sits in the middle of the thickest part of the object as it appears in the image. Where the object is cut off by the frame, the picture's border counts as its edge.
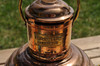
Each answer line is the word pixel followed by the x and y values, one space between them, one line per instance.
pixel 49 25
pixel 49 29
pixel 49 41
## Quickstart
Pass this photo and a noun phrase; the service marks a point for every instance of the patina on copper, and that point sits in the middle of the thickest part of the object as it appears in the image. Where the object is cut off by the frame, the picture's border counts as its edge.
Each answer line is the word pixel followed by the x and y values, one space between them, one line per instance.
pixel 49 25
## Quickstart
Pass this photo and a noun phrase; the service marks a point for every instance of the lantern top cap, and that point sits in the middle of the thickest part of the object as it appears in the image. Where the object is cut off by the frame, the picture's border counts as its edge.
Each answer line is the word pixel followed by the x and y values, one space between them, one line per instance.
pixel 49 10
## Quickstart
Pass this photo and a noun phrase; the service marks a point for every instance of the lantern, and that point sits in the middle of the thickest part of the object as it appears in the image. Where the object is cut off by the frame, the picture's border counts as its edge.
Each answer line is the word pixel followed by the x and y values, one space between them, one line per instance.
pixel 49 26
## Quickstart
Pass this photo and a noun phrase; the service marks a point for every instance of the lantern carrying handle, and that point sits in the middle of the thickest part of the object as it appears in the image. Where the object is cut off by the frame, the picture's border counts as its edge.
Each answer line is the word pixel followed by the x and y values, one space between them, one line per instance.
pixel 74 18
pixel 77 11
pixel 21 12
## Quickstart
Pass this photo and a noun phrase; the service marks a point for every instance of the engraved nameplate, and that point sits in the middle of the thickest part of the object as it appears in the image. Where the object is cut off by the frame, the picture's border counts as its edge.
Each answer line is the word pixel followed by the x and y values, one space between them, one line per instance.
pixel 48 40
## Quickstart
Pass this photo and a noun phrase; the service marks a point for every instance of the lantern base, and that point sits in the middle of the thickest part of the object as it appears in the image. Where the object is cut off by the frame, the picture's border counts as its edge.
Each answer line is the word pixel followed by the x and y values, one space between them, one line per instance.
pixel 21 57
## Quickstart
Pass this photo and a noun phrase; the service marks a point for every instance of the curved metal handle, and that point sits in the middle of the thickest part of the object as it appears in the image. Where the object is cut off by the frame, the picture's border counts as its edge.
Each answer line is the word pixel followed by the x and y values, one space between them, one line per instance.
pixel 77 11
pixel 23 17
pixel 21 12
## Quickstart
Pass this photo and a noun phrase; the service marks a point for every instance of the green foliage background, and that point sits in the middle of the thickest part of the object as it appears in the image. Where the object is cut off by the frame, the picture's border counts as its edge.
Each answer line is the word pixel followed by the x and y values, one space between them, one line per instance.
pixel 13 32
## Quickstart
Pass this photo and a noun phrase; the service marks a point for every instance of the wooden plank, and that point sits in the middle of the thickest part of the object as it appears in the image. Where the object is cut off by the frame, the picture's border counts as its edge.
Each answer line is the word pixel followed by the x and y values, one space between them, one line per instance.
pixel 1 65
pixel 93 53
pixel 91 46
pixel 96 61
pixel 4 54
pixel 87 43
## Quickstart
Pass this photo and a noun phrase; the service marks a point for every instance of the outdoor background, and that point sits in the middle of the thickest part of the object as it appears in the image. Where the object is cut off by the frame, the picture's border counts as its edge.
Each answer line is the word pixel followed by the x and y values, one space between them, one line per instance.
pixel 13 31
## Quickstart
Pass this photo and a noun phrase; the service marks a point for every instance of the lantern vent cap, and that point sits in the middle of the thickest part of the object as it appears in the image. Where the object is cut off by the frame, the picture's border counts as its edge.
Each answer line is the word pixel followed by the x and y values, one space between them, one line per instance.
pixel 49 10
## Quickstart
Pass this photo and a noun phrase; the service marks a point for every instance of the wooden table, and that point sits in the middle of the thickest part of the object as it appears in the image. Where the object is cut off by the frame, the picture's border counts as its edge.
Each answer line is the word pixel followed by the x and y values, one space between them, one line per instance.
pixel 91 46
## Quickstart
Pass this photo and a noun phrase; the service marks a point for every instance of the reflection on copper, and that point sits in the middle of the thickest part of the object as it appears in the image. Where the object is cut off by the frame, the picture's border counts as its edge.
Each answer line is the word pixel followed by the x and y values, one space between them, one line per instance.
pixel 49 39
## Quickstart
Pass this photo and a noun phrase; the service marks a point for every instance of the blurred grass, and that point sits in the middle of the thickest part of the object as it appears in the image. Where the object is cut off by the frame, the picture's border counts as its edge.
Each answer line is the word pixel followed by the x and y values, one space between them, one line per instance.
pixel 13 32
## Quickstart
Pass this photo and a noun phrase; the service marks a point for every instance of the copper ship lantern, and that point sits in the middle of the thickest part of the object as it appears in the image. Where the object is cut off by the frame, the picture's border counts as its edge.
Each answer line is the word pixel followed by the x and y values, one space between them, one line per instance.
pixel 49 26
